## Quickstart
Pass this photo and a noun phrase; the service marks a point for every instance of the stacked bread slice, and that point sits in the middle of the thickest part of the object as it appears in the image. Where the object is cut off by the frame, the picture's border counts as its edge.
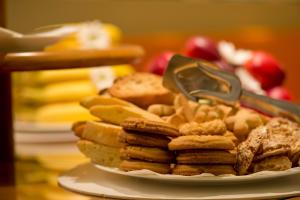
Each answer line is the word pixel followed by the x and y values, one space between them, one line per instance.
pixel 100 140
pixel 147 145
pixel 204 148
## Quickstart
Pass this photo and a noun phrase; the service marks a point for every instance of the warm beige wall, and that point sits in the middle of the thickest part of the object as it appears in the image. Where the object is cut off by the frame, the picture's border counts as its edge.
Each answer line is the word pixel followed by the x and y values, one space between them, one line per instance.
pixel 140 16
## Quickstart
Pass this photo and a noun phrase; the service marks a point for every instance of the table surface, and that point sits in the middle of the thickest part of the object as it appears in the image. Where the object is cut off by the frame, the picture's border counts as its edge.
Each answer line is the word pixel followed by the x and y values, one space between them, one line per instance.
pixel 35 184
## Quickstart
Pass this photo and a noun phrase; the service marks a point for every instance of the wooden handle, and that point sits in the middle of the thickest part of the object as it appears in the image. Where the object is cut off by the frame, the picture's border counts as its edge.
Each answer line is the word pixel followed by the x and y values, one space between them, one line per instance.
pixel 29 61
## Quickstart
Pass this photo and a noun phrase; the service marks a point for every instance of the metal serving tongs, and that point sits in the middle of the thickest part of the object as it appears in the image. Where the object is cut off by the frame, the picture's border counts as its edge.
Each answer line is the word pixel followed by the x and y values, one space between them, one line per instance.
pixel 198 79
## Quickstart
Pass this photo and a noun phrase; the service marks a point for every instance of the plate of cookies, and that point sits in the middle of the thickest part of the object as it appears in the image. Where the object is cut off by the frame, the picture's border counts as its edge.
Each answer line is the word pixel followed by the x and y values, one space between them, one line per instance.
pixel 147 131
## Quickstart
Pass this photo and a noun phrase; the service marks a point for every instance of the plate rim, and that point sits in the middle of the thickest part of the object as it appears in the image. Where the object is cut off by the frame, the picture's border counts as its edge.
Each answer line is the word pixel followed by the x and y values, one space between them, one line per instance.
pixel 64 185
pixel 203 179
pixel 23 126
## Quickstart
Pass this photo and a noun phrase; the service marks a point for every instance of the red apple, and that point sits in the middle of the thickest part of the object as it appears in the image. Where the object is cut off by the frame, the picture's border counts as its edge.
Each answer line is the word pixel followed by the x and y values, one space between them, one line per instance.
pixel 265 69
pixel 279 93
pixel 202 47
pixel 159 64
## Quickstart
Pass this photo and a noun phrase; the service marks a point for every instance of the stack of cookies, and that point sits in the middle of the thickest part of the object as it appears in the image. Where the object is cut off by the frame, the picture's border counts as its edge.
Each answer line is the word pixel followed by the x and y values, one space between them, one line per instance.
pixel 147 145
pixel 175 135
pixel 204 148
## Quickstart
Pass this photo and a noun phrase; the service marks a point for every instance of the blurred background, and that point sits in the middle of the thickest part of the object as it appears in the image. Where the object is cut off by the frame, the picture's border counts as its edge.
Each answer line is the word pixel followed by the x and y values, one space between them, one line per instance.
pixel 159 26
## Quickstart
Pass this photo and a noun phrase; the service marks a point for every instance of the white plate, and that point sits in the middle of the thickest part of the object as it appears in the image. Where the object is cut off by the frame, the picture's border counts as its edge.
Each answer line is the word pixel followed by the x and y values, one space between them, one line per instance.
pixel 31 127
pixel 203 178
pixel 87 179
pixel 41 149
pixel 51 137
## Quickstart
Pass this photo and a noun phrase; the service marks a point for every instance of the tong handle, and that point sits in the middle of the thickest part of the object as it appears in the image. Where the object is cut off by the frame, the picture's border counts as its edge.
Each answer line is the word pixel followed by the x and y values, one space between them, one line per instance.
pixel 271 106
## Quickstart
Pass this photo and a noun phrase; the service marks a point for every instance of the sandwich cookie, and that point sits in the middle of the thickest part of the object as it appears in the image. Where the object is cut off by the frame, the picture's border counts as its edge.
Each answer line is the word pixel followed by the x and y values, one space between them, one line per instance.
pixel 206 157
pixel 146 154
pixel 148 126
pixel 190 170
pixel 131 165
pixel 201 142
pixel 146 140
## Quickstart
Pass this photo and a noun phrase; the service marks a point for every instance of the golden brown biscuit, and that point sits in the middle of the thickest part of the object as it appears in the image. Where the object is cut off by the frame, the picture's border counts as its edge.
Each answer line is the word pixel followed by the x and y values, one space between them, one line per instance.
pixel 205 112
pixel 190 170
pixel 142 89
pixel 184 107
pixel 99 153
pixel 148 126
pixel 78 128
pixel 274 163
pixel 232 137
pixel 206 157
pixel 295 147
pixel 147 140
pixel 201 142
pixel 215 127
pixel 273 152
pixel 295 155
pixel 243 122
pixel 132 165
pixel 161 110
pixel 281 126
pixel 102 133
pixel 116 114
pixel 284 133
pixel 247 149
pixel 97 100
pixel 278 140
pixel 146 154
pixel 175 120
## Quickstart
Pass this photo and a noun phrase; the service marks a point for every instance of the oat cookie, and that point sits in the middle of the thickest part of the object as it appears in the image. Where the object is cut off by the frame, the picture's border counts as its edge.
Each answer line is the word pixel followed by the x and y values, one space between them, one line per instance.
pixel 247 149
pixel 274 163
